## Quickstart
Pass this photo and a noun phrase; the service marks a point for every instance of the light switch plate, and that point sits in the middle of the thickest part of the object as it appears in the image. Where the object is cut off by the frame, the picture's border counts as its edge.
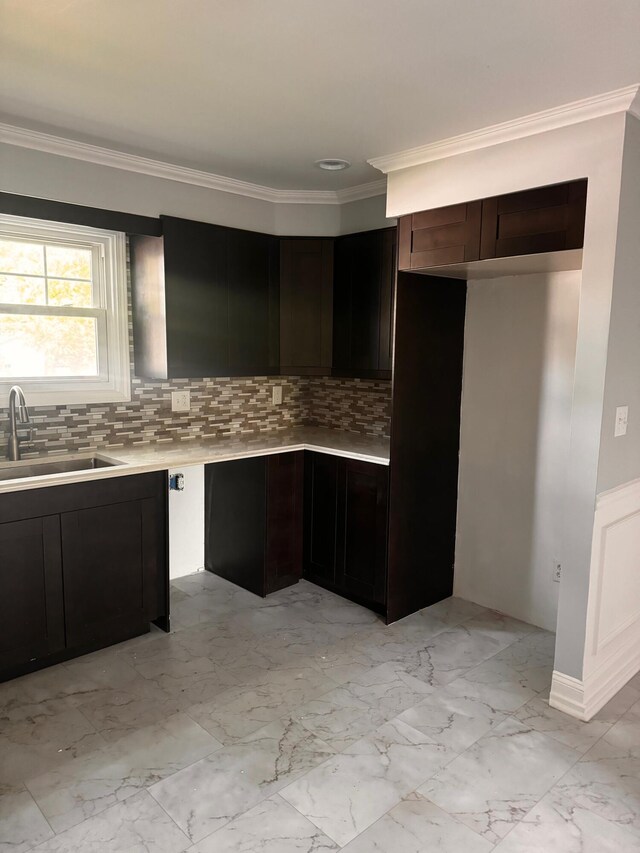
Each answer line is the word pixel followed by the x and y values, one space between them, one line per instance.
pixel 622 418
pixel 180 401
pixel 277 395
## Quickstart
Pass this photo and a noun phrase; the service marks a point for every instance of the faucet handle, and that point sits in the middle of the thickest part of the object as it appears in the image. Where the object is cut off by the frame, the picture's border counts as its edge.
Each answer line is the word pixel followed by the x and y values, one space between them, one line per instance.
pixel 26 437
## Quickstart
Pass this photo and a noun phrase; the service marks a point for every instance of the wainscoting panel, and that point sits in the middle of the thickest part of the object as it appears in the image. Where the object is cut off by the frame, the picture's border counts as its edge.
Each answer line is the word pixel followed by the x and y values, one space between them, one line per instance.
pixel 612 647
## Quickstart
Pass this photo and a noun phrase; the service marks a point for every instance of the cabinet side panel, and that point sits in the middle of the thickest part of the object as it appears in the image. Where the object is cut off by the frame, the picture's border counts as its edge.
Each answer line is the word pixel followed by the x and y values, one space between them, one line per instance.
pixel 235 519
pixel 425 438
pixel 148 306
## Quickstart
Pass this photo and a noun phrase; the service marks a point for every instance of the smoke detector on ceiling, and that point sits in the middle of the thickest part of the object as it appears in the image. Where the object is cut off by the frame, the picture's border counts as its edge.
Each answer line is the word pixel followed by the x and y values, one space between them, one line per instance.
pixel 332 164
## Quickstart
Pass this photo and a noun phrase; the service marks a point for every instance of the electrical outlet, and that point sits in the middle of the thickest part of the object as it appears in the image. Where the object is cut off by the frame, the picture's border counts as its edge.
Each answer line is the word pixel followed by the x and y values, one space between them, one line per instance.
pixel 557 571
pixel 180 401
pixel 622 418
pixel 277 395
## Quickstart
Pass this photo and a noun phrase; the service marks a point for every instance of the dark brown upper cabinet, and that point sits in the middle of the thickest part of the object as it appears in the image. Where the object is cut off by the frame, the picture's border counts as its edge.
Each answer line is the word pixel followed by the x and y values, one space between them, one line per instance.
pixel 364 275
pixel 547 219
pixel 306 305
pixel 541 220
pixel 445 235
pixel 205 301
pixel 253 272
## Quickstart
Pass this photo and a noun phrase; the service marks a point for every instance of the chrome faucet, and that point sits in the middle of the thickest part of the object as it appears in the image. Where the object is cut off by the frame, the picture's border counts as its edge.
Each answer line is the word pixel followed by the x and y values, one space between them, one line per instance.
pixel 18 413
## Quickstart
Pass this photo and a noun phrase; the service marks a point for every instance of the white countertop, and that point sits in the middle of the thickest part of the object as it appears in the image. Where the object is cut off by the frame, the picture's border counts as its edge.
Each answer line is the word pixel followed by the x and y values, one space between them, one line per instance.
pixel 162 455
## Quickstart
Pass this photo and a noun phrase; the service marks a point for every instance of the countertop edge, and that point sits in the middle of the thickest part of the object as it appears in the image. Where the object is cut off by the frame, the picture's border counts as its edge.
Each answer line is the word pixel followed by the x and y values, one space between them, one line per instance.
pixel 126 469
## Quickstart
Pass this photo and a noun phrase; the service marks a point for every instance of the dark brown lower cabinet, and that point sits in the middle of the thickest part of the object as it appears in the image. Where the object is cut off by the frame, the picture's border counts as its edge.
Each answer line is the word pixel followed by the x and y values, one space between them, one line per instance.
pixel 83 566
pixel 346 521
pixel 31 609
pixel 320 517
pixel 120 545
pixel 253 521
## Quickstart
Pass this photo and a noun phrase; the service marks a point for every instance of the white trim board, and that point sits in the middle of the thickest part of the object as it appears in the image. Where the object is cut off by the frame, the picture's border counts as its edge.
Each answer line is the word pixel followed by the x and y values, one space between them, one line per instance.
pixel 612 641
pixel 620 100
pixel 25 138
pixel 583 699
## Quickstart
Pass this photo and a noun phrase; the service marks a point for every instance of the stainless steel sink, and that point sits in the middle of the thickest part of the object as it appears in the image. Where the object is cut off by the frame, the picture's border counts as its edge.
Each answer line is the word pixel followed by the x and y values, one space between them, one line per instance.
pixel 35 468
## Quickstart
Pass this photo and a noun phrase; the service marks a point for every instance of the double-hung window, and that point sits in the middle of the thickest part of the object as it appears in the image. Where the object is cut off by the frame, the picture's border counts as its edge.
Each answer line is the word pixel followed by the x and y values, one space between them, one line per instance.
pixel 63 312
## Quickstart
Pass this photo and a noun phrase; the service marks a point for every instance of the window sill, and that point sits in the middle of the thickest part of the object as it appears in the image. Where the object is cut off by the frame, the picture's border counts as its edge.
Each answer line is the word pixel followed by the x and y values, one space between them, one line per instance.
pixel 66 397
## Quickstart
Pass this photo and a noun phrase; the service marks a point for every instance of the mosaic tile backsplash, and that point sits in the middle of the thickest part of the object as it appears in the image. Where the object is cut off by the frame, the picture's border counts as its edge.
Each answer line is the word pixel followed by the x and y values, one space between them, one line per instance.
pixel 238 406
pixel 218 407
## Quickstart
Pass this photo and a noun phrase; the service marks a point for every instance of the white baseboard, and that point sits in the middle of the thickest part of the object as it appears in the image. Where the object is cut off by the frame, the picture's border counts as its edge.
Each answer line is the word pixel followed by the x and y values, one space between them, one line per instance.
pixel 583 699
pixel 567 695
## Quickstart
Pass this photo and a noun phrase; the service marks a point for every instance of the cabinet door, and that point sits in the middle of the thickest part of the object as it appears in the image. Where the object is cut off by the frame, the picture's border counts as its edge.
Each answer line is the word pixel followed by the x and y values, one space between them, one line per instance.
pixel 387 298
pixel 444 235
pixel 364 271
pixel 546 219
pixel 306 305
pixel 31 605
pixel 112 558
pixel 253 303
pixel 284 520
pixel 196 294
pixel 362 530
pixel 235 521
pixel 320 513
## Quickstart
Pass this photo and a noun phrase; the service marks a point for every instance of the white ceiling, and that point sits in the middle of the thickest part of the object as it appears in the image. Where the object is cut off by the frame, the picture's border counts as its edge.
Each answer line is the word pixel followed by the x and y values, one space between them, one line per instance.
pixel 259 89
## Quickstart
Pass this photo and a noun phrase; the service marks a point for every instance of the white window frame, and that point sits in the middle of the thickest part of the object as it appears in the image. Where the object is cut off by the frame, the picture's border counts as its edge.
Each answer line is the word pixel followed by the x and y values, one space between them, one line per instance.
pixel 109 274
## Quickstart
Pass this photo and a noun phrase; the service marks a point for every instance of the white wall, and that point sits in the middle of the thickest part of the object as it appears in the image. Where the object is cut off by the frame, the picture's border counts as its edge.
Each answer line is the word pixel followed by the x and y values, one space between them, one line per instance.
pixel 364 215
pixel 612 647
pixel 620 457
pixel 35 173
pixel 591 149
pixel 519 358
pixel 186 523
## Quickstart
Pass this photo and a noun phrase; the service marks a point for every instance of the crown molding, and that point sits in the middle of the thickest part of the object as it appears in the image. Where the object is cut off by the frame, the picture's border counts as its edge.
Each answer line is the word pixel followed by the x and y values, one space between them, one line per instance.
pixel 25 138
pixel 361 191
pixel 621 100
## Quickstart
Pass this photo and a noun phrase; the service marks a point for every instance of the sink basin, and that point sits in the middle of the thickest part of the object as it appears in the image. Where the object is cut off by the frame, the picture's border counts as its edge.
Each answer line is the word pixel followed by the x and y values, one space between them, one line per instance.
pixel 35 468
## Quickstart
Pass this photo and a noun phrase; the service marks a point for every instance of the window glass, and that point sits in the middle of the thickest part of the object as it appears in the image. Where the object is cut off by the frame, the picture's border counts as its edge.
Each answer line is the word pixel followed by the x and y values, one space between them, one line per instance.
pixel 48 346
pixel 22 290
pixel 19 256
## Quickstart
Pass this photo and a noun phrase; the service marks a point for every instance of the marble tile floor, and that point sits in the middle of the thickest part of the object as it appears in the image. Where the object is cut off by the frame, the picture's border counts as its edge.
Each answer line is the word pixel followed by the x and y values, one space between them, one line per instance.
pixel 301 723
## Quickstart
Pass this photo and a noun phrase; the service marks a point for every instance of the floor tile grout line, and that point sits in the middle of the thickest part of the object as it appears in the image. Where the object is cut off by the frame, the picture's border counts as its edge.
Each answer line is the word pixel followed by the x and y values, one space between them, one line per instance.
pixel 311 659
pixel 37 805
pixel 559 782
pixel 191 843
